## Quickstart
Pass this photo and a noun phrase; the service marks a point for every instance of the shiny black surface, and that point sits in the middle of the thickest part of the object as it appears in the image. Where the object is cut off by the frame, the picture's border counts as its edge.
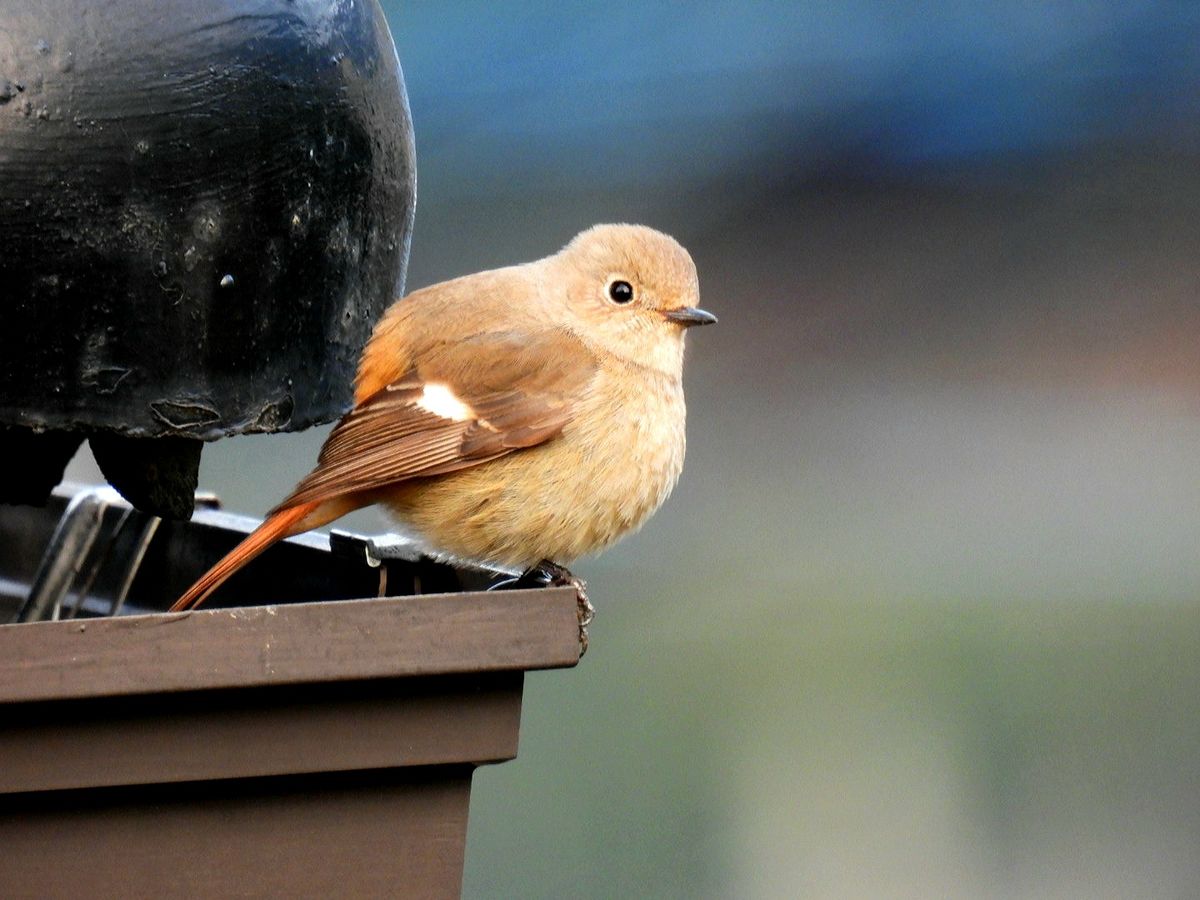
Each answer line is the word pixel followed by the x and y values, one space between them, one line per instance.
pixel 204 207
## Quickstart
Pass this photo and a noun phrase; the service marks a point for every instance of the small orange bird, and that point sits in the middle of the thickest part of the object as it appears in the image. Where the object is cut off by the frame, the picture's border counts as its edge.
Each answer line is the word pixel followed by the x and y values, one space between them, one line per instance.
pixel 523 416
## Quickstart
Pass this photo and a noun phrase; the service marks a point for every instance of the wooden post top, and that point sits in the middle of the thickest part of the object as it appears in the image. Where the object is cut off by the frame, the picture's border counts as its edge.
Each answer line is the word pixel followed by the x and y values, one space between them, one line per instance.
pixel 292 644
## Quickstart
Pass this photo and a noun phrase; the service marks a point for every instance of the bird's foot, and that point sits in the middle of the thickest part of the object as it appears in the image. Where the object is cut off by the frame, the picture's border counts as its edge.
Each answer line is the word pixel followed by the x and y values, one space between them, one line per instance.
pixel 551 574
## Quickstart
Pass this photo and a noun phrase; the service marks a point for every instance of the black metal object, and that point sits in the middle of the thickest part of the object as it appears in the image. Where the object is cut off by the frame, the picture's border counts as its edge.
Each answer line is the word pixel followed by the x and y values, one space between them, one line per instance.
pixel 159 475
pixel 34 462
pixel 204 207
pixel 88 553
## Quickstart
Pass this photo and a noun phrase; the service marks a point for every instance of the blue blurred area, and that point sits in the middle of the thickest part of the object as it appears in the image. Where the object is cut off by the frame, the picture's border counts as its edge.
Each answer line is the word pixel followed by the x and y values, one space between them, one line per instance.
pixel 653 91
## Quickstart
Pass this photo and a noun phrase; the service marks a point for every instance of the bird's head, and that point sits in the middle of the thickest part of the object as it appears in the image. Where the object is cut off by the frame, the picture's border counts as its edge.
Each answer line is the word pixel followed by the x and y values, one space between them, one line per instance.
pixel 633 292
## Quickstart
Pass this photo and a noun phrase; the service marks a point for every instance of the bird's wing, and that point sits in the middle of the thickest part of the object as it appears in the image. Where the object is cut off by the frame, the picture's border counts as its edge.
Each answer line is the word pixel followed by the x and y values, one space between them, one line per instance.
pixel 464 403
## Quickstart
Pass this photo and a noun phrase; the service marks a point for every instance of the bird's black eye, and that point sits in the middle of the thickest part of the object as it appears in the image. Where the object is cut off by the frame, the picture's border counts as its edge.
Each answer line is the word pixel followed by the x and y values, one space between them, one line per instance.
pixel 620 292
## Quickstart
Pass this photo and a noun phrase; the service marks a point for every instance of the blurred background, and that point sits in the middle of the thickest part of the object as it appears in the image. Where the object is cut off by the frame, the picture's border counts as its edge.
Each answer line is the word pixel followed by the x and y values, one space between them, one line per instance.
pixel 923 616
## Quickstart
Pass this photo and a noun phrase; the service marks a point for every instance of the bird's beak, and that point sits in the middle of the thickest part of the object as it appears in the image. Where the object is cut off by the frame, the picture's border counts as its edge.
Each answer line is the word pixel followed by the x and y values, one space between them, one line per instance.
pixel 687 316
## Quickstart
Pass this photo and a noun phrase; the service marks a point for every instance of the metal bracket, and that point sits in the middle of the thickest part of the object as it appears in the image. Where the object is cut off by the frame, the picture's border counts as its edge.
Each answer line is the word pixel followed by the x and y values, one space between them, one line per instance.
pixel 71 546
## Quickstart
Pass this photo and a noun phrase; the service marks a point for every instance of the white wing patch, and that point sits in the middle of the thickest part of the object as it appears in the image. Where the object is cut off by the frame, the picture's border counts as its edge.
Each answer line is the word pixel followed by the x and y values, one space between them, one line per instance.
pixel 440 400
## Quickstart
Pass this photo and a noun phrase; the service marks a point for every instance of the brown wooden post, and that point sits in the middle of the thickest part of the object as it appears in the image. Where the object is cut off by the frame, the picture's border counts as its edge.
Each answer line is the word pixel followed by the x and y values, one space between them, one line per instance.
pixel 317 749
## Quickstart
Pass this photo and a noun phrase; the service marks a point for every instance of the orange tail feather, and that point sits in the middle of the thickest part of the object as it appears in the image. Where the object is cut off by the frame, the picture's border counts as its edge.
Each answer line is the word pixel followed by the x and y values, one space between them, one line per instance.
pixel 275 527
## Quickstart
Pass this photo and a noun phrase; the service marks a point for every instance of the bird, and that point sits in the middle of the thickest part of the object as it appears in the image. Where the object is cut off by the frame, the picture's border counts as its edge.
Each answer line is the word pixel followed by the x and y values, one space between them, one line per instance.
pixel 521 417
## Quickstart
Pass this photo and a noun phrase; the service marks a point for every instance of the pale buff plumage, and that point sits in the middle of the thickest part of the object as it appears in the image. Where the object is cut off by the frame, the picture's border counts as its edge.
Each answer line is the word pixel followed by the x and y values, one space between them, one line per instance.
pixel 613 466
pixel 516 415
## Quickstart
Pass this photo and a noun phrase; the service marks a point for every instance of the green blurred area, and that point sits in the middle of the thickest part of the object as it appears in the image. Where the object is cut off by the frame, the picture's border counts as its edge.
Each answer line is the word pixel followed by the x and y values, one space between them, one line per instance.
pixel 841 748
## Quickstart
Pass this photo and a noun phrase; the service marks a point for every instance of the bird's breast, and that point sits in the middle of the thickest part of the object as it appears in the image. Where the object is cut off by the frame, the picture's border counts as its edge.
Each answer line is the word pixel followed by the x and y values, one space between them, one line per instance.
pixel 611 468
pixel 630 448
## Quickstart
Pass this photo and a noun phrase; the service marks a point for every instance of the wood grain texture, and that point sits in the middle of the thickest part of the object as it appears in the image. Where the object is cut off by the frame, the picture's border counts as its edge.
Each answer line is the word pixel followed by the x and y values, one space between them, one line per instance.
pixel 220 735
pixel 246 647
pixel 370 835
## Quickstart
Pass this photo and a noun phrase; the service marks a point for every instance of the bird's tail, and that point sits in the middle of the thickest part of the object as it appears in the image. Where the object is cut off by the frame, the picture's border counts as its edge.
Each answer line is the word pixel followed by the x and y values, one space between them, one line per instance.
pixel 278 525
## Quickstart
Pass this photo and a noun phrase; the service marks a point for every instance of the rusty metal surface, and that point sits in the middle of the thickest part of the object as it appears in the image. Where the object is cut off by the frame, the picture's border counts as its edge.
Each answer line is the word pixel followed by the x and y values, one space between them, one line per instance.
pixel 373 834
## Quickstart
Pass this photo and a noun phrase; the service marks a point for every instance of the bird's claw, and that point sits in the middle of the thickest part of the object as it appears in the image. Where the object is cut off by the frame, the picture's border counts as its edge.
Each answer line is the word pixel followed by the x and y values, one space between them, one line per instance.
pixel 586 613
pixel 551 574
